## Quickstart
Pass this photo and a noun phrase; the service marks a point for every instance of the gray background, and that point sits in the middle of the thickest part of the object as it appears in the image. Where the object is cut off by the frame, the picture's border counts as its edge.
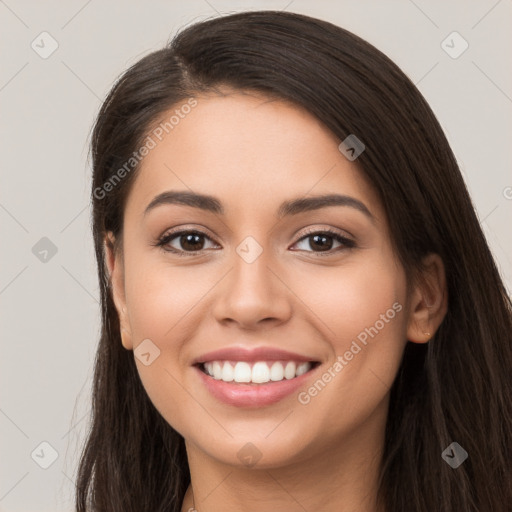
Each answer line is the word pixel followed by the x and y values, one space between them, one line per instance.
pixel 50 310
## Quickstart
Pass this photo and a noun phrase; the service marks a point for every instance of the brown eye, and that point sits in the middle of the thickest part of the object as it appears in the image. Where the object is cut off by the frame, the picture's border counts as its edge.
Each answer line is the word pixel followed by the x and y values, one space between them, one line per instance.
pixel 323 241
pixel 184 241
pixel 191 242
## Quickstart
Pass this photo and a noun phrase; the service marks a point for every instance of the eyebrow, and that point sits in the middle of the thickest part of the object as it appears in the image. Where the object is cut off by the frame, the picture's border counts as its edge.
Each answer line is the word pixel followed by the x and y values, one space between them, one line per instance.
pixel 291 207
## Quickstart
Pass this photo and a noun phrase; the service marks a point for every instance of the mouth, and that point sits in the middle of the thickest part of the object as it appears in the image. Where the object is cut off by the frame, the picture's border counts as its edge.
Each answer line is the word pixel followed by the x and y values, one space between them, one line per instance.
pixel 257 384
pixel 257 372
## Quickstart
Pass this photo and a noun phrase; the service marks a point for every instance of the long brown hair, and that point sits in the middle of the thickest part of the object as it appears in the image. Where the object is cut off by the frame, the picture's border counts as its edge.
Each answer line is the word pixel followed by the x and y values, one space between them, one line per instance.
pixel 457 387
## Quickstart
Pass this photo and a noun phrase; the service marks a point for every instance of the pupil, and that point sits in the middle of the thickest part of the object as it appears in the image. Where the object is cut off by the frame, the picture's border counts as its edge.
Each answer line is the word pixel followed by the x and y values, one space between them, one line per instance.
pixel 192 240
pixel 321 245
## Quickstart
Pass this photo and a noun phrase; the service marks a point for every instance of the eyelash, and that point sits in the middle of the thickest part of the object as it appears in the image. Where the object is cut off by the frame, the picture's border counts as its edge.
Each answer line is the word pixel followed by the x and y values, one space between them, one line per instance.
pixel 165 239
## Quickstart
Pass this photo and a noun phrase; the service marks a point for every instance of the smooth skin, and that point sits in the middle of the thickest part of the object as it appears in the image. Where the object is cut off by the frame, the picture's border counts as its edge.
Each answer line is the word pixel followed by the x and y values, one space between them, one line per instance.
pixel 253 153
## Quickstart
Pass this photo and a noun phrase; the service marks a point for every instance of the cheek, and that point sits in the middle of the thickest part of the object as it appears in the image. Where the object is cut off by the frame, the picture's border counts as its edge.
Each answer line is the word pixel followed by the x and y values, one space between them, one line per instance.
pixel 160 297
pixel 354 296
pixel 360 310
pixel 163 307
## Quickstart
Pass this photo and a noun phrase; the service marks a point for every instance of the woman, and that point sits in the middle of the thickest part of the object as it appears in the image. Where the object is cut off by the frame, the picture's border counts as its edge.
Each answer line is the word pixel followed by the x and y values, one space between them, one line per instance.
pixel 300 309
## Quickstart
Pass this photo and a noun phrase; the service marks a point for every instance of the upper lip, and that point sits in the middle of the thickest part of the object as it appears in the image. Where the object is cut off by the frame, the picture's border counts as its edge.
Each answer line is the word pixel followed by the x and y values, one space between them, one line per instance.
pixel 238 353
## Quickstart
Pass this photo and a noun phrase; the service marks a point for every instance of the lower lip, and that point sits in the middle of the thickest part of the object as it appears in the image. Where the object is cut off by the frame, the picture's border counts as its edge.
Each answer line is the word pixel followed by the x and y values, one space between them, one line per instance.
pixel 253 395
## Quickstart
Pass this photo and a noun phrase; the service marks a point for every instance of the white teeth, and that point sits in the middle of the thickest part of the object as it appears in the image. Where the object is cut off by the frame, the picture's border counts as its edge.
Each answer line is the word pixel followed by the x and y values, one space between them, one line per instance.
pixel 228 373
pixel 302 368
pixel 243 372
pixel 217 370
pixel 208 368
pixel 259 373
pixel 289 371
pixel 277 372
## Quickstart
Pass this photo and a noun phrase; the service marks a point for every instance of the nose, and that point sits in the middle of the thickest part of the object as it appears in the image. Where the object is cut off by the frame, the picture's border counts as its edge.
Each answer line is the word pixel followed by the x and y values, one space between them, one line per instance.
pixel 253 293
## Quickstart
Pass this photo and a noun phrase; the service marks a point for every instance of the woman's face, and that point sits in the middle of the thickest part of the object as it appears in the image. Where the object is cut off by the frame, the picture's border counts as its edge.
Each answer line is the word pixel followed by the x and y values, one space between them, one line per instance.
pixel 262 275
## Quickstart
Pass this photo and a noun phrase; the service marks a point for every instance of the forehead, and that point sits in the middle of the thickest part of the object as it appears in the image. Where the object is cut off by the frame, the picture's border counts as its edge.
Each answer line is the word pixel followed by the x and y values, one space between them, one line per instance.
pixel 251 151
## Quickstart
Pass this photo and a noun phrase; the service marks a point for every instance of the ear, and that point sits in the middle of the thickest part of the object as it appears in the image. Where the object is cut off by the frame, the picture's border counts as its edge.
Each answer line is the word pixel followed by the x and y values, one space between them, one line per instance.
pixel 114 264
pixel 428 301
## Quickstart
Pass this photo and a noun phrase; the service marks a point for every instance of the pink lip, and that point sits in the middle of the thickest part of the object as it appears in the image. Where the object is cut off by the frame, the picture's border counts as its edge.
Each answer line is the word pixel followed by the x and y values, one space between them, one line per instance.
pixel 252 395
pixel 256 354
